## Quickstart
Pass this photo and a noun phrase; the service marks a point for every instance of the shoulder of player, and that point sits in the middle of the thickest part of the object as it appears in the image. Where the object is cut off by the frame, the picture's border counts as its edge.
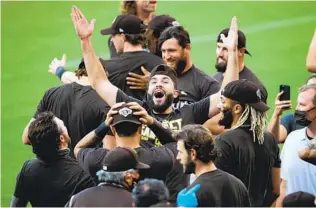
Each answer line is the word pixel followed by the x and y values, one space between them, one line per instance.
pixel 251 76
pixel 232 135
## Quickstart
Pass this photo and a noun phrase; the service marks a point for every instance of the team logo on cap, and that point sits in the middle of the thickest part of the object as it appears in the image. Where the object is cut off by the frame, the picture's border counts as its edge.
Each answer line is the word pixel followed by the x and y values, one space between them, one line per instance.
pixel 125 111
pixel 258 94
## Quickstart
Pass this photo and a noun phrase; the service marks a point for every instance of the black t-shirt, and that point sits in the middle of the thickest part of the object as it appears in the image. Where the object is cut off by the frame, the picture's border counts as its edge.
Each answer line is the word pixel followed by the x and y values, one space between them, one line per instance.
pixel 195 113
pixel 160 160
pixel 107 195
pixel 195 85
pixel 220 189
pixel 248 75
pixel 79 107
pixel 249 161
pixel 51 184
pixel 120 66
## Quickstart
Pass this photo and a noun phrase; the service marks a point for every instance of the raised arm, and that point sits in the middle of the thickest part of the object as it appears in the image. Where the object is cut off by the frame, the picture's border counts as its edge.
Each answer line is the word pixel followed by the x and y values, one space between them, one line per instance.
pixel 275 128
pixel 96 74
pixel 311 56
pixel 57 67
pixel 163 134
pixel 232 72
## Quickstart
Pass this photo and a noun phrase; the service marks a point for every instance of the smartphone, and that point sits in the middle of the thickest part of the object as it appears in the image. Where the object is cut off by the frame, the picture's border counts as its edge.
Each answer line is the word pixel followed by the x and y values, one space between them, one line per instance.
pixel 286 92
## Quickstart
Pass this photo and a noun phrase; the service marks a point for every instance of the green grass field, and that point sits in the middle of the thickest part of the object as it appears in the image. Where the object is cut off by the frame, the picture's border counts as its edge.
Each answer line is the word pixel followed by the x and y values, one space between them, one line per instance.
pixel 33 33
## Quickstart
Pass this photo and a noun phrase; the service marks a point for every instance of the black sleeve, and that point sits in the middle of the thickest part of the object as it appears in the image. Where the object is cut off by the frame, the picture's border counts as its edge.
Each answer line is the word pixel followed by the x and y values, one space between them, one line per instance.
pixel 42 106
pixel 16 202
pixel 164 135
pixel 20 191
pixel 90 159
pixel 277 163
pixel 83 157
pixel 209 87
pixel 122 97
pixel 225 159
pixel 200 110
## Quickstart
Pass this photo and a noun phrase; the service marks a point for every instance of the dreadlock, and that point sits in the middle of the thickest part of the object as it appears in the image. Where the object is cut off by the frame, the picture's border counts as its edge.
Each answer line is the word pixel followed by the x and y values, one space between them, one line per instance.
pixel 258 121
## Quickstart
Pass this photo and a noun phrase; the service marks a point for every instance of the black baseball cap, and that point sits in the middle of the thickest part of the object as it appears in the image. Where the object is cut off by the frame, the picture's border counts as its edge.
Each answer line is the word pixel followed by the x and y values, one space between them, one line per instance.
pixel 83 66
pixel 160 22
pixel 245 92
pixel 299 199
pixel 125 114
pixel 122 159
pixel 165 70
pixel 241 39
pixel 126 24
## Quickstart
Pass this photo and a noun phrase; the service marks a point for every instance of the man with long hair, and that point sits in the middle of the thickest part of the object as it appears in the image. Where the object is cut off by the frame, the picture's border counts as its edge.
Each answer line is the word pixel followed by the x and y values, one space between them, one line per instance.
pixel 248 151
pixel 53 176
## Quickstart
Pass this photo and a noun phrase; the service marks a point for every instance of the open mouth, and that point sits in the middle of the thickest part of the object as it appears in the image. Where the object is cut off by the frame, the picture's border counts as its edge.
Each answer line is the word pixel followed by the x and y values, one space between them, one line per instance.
pixel 152 2
pixel 158 94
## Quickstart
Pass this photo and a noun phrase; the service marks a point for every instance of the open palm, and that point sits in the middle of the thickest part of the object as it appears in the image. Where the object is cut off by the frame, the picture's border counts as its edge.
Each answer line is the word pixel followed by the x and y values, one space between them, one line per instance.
pixel 231 40
pixel 83 28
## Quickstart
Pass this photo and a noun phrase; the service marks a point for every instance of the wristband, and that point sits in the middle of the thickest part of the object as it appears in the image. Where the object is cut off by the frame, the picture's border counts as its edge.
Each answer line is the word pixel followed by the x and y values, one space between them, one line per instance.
pixel 102 130
pixel 60 71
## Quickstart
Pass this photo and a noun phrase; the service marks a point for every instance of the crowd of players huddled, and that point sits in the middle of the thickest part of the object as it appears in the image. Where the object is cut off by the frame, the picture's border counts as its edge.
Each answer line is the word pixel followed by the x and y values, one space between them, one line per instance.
pixel 149 128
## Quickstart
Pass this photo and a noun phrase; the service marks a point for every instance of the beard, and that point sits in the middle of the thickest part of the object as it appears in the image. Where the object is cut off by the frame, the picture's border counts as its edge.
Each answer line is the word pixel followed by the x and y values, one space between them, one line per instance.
pixel 221 67
pixel 162 107
pixel 180 66
pixel 227 119
pixel 189 167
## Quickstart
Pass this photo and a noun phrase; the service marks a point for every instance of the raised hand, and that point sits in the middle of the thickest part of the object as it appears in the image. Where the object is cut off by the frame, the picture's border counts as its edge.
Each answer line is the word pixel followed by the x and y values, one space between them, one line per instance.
pixel 136 81
pixel 280 106
pixel 187 198
pixel 231 41
pixel 145 118
pixel 57 63
pixel 83 28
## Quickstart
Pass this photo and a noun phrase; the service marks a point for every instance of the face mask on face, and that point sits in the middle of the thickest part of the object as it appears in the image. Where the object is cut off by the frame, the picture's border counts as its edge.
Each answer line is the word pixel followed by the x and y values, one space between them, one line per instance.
pixel 300 117
pixel 227 120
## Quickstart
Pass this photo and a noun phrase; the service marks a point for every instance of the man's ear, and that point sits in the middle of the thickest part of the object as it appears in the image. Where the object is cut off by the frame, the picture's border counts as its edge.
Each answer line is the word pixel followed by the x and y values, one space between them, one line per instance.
pixel 176 94
pixel 188 47
pixel 193 154
pixel 113 130
pixel 238 109
pixel 63 139
pixel 241 51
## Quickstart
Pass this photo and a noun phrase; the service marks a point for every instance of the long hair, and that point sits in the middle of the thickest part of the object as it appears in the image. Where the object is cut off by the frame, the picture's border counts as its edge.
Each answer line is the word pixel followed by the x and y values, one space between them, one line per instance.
pixel 258 121
pixel 128 7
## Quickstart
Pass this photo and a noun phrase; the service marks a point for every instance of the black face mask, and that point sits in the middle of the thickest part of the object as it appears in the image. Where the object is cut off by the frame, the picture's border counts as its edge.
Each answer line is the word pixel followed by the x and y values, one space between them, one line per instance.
pixel 189 167
pixel 227 120
pixel 300 117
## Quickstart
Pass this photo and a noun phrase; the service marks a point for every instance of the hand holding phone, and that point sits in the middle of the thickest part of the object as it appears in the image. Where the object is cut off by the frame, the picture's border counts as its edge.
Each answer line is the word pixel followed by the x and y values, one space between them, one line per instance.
pixel 286 92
